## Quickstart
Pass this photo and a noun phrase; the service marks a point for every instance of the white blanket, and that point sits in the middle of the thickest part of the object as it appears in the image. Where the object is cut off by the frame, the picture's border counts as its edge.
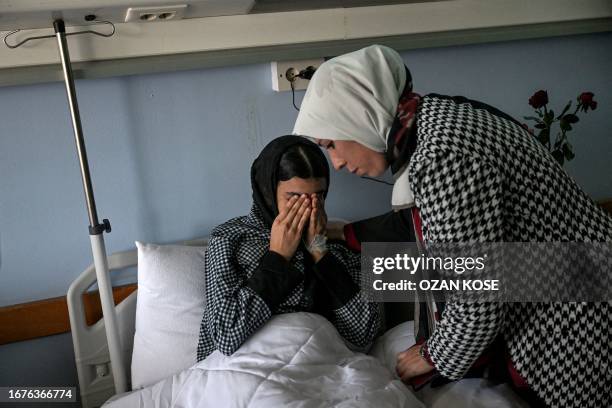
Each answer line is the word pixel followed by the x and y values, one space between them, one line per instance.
pixel 295 360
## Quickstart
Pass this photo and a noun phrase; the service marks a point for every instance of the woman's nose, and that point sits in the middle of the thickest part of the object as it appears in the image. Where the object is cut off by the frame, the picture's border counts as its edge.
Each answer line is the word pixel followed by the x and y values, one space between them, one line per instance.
pixel 337 162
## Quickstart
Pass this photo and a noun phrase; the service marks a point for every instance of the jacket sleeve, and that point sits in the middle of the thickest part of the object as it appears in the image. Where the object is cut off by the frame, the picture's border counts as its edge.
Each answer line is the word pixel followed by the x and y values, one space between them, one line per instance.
pixel 238 305
pixel 461 200
pixel 394 226
pixel 357 320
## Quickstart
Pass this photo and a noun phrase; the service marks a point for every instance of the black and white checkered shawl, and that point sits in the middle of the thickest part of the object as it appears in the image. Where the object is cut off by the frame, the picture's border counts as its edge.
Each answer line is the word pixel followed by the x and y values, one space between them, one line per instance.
pixel 479 177
pixel 234 311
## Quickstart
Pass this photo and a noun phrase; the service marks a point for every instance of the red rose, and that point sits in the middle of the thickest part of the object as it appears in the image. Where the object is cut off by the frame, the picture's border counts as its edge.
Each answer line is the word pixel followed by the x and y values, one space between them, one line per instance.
pixel 586 98
pixel 539 99
pixel 586 101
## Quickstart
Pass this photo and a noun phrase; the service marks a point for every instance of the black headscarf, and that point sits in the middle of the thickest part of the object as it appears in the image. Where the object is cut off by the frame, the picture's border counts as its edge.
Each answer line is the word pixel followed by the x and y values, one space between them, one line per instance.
pixel 265 169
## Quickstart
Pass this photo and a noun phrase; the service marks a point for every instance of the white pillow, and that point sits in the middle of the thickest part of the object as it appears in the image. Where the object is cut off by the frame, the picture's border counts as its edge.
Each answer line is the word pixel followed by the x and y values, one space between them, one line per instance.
pixel 169 309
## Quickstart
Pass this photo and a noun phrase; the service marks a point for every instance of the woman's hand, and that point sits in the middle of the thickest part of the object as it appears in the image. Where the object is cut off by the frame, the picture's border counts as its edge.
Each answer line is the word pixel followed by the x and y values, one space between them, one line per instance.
pixel 317 225
pixel 288 226
pixel 410 364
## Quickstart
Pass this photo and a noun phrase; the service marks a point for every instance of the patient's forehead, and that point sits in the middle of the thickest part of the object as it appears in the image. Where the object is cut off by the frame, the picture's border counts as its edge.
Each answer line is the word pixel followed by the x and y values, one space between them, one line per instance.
pixel 298 185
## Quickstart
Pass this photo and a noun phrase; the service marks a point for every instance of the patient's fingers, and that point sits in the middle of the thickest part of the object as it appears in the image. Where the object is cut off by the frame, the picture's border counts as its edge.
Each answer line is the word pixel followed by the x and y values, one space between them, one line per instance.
pixel 297 215
pixel 321 211
pixel 316 202
pixel 294 209
pixel 313 217
pixel 303 220
pixel 285 210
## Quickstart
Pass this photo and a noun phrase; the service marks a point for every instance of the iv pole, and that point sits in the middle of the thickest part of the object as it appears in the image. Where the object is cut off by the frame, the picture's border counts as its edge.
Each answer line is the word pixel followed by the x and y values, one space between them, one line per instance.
pixel 96 230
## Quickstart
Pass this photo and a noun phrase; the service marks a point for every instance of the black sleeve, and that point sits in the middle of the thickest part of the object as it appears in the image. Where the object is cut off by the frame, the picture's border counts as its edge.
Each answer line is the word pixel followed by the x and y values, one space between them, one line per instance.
pixel 336 280
pixel 357 321
pixel 274 279
pixel 394 226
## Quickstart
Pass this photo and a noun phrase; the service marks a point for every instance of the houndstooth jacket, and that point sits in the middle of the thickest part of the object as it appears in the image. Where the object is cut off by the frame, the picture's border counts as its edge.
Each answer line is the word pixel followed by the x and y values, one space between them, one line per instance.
pixel 246 284
pixel 478 176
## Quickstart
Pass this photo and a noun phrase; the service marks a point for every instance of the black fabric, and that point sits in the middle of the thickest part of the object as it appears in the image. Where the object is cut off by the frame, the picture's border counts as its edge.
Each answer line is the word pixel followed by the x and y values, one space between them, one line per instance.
pixel 327 282
pixel 274 280
pixel 337 281
pixel 394 226
pixel 264 173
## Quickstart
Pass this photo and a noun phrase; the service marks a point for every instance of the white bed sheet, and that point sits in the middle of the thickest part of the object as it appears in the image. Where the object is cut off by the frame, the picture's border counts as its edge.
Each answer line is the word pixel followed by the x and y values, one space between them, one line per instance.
pixel 295 360
pixel 300 360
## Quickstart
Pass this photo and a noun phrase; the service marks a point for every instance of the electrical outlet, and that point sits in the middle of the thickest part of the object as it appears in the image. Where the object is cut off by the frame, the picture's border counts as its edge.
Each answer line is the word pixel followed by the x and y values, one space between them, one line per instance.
pixel 157 13
pixel 284 71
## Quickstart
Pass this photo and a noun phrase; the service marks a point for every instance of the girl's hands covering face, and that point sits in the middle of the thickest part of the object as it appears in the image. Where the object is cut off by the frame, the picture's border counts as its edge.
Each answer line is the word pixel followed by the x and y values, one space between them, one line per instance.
pixel 289 225
pixel 317 224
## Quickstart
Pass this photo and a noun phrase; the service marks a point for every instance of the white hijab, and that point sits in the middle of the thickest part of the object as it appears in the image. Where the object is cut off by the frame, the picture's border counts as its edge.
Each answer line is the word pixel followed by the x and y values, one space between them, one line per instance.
pixel 354 97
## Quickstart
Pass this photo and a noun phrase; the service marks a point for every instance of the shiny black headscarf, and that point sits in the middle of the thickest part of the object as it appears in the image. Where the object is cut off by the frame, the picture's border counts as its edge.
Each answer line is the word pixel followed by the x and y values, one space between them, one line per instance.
pixel 265 172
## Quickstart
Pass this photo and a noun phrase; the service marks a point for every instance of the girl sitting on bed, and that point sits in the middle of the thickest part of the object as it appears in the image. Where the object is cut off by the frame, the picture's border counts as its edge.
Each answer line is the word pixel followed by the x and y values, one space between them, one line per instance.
pixel 276 259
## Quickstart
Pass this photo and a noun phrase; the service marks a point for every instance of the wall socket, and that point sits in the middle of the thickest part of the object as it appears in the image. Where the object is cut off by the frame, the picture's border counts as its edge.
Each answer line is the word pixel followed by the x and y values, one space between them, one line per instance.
pixel 280 69
pixel 156 13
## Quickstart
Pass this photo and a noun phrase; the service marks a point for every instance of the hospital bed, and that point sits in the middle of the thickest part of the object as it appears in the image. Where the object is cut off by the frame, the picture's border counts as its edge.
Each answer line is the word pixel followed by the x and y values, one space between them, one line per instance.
pixel 96 379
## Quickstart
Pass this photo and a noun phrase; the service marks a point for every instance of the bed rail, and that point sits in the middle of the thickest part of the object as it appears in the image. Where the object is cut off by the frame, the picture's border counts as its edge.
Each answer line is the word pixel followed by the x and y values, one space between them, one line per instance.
pixel 90 346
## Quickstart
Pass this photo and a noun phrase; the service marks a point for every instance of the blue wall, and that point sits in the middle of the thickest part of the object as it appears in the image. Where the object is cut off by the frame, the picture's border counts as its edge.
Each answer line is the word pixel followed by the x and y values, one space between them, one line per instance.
pixel 170 153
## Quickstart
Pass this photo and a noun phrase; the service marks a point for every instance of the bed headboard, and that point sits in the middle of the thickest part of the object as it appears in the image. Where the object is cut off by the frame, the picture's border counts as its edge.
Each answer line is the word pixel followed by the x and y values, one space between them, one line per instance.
pixel 90 346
